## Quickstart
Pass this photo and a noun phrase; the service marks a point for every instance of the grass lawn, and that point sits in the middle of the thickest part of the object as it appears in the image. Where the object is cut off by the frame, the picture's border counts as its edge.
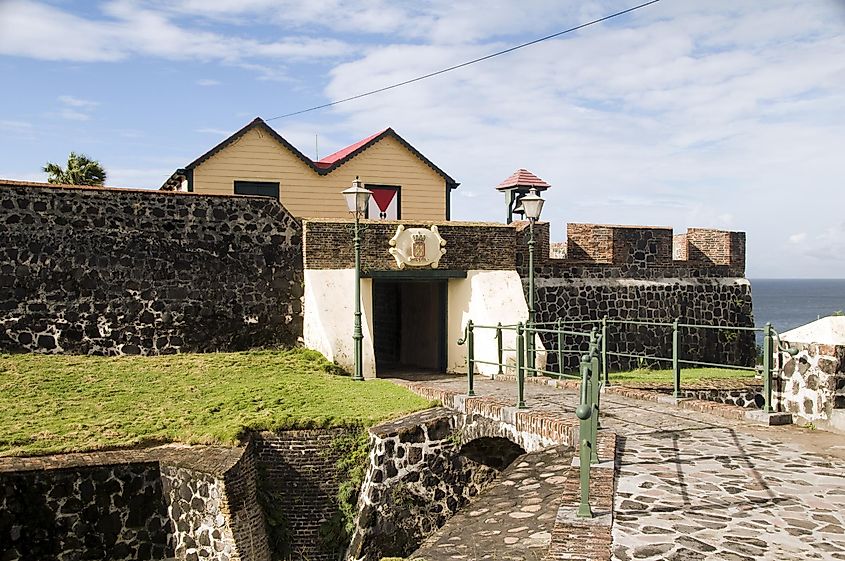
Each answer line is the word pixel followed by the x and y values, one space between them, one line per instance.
pixel 687 374
pixel 51 403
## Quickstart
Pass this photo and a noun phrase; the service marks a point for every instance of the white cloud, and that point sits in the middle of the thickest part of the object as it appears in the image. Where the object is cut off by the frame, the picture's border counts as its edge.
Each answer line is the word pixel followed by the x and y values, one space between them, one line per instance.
pixel 77 102
pixel 15 126
pixel 41 31
pixel 207 82
pixel 73 115
pixel 74 108
pixel 798 237
pixel 719 115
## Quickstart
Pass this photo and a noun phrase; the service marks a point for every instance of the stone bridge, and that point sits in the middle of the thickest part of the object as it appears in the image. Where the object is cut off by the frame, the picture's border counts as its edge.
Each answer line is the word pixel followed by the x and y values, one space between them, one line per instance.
pixel 425 468
pixel 688 481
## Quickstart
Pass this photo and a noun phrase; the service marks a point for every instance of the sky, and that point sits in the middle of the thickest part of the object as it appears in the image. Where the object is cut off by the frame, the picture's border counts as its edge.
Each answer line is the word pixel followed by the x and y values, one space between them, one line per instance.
pixel 686 113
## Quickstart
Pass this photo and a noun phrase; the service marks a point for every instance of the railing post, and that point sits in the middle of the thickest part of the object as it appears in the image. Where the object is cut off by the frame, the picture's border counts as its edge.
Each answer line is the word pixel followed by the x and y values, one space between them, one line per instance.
pixel 470 359
pixel 530 349
pixel 595 389
pixel 676 364
pixel 520 367
pixel 559 348
pixel 499 347
pixel 604 350
pixel 767 368
pixel 584 412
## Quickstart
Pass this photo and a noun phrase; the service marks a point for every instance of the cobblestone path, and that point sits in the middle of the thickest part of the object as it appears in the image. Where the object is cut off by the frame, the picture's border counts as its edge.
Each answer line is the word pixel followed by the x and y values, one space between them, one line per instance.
pixel 512 520
pixel 697 486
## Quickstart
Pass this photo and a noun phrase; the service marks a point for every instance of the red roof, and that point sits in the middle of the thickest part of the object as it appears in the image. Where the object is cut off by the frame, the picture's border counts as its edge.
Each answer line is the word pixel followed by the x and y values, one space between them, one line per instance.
pixel 340 154
pixel 523 178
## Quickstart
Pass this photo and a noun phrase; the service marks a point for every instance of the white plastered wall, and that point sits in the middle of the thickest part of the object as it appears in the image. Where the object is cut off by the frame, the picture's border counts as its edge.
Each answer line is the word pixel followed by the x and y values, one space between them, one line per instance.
pixel 487 298
pixel 329 317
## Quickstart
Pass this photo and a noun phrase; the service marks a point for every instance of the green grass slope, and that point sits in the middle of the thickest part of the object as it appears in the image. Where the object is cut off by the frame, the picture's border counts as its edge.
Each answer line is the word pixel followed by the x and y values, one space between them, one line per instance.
pixel 76 403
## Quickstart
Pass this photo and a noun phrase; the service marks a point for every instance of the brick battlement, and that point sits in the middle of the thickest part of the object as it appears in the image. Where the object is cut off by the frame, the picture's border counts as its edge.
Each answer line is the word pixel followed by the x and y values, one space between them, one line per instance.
pixel 639 247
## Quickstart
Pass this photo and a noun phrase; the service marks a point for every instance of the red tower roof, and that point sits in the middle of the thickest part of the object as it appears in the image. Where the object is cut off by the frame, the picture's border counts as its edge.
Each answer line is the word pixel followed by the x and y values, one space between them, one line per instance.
pixel 523 178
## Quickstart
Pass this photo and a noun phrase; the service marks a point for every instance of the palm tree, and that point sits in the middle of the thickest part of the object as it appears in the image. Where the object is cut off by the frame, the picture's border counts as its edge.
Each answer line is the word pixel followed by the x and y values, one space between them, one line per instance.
pixel 81 170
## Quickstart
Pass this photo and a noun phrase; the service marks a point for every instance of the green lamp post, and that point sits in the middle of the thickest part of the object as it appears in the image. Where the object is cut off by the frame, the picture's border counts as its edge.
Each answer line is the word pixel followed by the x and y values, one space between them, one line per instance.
pixel 532 205
pixel 358 200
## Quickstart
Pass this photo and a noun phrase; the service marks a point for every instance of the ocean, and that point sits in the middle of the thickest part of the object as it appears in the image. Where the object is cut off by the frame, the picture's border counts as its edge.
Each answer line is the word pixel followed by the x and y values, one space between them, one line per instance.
pixel 790 303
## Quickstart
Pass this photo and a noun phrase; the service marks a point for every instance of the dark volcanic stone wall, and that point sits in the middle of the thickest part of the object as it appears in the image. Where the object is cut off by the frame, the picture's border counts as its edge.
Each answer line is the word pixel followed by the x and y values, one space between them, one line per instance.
pixel 103 512
pixel 417 480
pixel 114 271
pixel 192 504
pixel 469 245
pixel 694 301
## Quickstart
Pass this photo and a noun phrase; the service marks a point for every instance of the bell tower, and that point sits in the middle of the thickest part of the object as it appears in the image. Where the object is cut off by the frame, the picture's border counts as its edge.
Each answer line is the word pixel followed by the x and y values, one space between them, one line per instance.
pixel 517 186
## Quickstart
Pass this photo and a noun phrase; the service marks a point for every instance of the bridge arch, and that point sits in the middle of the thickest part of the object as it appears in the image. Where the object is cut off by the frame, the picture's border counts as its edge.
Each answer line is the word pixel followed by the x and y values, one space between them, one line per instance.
pixel 492 451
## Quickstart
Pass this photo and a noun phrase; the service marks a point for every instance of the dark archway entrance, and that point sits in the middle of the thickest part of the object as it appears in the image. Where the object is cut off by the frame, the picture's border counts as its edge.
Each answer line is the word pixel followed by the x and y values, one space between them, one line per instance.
pixel 492 451
pixel 409 325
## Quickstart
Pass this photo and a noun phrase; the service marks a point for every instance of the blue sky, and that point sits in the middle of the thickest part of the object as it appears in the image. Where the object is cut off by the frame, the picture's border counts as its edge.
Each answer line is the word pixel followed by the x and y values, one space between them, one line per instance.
pixel 725 113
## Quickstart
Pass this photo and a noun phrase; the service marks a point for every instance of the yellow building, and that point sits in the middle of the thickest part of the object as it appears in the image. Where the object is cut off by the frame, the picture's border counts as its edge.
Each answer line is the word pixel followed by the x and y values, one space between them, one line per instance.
pixel 256 160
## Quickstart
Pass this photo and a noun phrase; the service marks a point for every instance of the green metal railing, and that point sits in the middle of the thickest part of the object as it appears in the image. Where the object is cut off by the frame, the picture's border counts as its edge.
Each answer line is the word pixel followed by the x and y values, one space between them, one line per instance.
pixel 592 374
pixel 593 367
pixel 771 343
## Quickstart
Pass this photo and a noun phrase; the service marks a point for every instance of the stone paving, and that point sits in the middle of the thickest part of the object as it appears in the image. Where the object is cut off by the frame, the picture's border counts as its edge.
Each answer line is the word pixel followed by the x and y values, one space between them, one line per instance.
pixel 512 520
pixel 696 486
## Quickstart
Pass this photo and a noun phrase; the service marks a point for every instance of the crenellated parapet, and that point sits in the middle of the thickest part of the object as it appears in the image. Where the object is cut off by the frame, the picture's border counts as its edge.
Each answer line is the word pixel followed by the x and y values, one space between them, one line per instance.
pixel 614 250
pixel 717 247
pixel 619 245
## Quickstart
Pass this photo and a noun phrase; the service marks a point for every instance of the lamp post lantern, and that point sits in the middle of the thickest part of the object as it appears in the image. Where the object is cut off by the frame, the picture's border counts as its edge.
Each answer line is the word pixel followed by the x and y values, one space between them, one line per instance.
pixel 532 205
pixel 357 199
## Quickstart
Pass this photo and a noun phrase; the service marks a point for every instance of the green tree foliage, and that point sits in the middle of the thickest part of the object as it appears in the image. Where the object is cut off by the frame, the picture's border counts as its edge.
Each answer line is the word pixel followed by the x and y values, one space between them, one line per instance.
pixel 80 170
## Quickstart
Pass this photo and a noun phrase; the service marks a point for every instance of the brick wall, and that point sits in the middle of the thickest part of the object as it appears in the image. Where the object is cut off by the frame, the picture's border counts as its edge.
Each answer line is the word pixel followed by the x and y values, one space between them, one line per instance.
pixel 115 271
pixel 243 510
pixel 640 248
pixel 297 471
pixel 716 246
pixel 619 244
pixel 469 246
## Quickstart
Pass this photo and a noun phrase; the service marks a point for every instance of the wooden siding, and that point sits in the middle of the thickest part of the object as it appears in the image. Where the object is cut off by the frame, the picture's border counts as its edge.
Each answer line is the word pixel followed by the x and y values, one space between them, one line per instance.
pixel 258 157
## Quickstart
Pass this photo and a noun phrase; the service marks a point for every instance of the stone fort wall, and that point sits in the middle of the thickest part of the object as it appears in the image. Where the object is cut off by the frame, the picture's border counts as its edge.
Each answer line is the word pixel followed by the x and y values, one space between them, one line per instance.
pixel 168 502
pixel 118 271
pixel 644 273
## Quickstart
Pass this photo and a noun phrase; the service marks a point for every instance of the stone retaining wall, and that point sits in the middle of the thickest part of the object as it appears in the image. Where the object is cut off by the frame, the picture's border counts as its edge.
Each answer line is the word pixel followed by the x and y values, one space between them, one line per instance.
pixel 747 395
pixel 812 383
pixel 122 272
pixel 188 503
pixel 97 512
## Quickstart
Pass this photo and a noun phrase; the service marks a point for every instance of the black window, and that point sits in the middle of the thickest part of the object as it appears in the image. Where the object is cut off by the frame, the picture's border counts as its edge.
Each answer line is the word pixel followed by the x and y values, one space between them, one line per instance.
pixel 260 188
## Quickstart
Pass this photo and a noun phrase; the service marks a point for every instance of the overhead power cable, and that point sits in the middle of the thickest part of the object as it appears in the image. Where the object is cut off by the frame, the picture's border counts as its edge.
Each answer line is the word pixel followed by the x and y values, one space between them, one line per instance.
pixel 467 63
